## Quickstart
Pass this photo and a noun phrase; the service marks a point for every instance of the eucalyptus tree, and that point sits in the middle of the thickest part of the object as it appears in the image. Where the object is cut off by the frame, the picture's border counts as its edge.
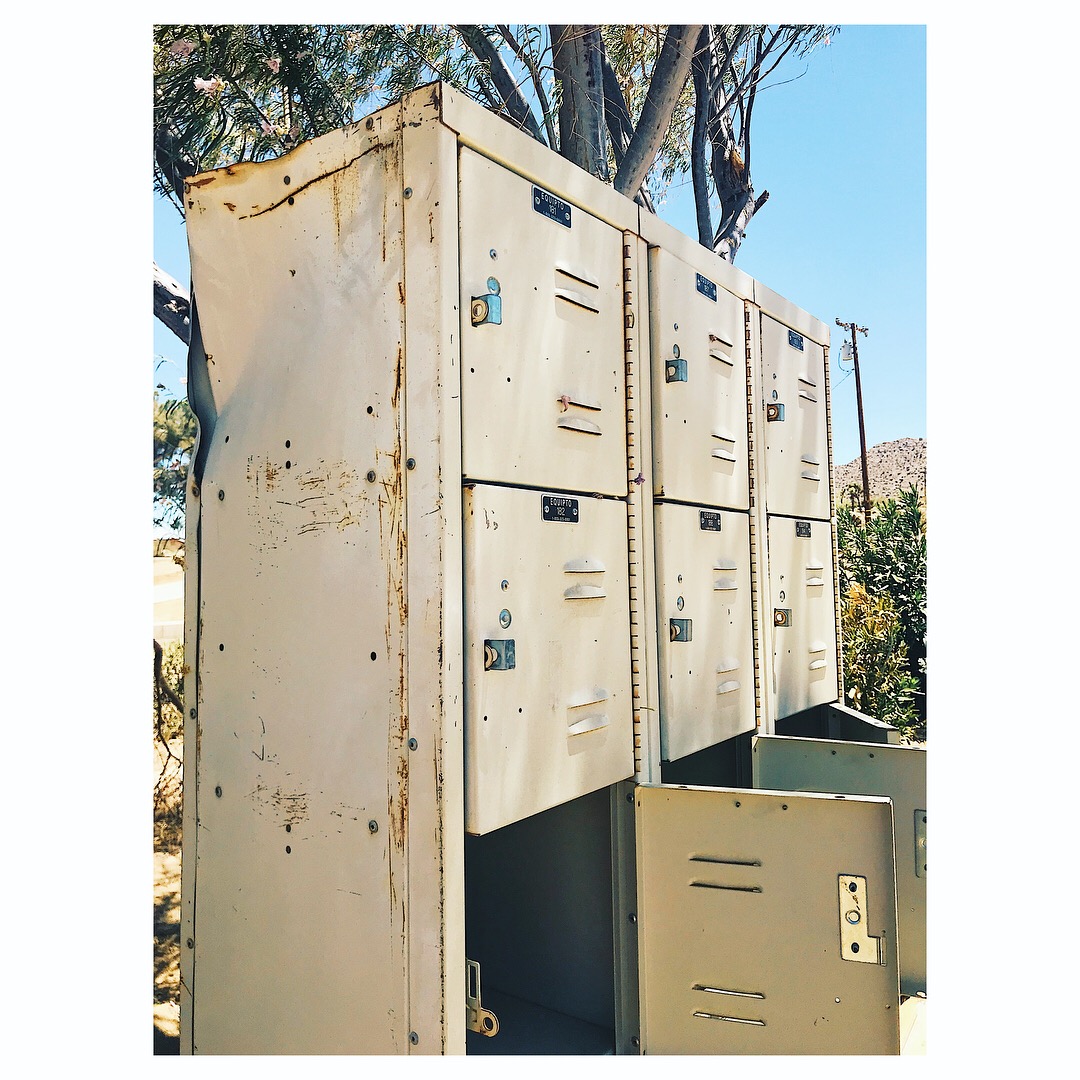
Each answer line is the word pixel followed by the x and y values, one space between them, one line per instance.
pixel 635 105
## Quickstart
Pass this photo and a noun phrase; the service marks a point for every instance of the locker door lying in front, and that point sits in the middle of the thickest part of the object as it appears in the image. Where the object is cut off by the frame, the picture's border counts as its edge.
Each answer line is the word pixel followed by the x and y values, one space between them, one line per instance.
pixel 766 923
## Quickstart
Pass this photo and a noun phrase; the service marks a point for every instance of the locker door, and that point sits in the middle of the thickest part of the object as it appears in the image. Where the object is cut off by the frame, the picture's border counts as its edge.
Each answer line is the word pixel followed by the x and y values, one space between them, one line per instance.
pixel 898 772
pixel 706 646
pixel 766 923
pixel 542 367
pixel 547 652
pixel 796 428
pixel 803 630
pixel 699 387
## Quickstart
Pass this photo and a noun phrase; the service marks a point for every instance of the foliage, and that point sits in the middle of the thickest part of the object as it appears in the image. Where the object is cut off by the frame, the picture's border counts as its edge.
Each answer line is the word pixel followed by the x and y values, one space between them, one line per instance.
pixel 168 731
pixel 174 437
pixel 886 558
pixel 225 93
pixel 879 682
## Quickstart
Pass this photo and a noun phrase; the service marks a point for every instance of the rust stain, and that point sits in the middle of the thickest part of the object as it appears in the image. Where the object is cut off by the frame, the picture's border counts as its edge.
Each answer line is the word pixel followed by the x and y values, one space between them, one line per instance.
pixel 231 205
pixel 271 475
pixel 315 180
pixel 189 184
pixel 401 292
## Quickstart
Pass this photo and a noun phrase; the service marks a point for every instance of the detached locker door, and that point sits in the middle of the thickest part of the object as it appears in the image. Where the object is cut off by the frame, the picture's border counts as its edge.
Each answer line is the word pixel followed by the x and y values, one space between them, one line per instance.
pixel 898 772
pixel 803 631
pixel 699 387
pixel 706 646
pixel 796 423
pixel 542 370
pixel 766 923
pixel 547 652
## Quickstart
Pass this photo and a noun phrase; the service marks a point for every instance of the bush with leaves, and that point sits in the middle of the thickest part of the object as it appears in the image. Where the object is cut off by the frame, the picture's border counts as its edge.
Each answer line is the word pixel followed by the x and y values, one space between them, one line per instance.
pixel 174 437
pixel 168 728
pixel 885 558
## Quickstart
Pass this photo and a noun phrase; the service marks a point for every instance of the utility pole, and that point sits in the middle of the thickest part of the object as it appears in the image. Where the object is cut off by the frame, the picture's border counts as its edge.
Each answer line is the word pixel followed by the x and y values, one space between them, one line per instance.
pixel 855 331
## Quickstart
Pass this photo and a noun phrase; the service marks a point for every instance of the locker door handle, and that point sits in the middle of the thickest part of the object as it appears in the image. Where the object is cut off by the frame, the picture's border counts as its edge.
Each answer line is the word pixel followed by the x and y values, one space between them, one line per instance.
pixel 584 592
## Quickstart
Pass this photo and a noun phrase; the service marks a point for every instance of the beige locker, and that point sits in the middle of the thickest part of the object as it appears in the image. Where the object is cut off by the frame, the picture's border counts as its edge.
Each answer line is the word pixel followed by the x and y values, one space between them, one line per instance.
pixel 543 396
pixel 705 627
pixel 698 384
pixel 795 422
pixel 803 614
pixel 547 653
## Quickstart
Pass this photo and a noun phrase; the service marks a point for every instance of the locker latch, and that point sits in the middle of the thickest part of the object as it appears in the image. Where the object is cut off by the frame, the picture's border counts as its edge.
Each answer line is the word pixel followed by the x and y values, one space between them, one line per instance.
pixel 487 308
pixel 477 1018
pixel 920 843
pixel 856 944
pixel 681 629
pixel 774 410
pixel 675 368
pixel 499 654
pixel 781 616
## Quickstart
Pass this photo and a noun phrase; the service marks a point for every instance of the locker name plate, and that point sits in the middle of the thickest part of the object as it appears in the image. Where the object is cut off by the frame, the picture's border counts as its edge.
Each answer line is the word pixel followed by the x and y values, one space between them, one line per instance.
pixel 559 508
pixel 795 340
pixel 710 520
pixel 802 528
pixel 551 207
pixel 706 287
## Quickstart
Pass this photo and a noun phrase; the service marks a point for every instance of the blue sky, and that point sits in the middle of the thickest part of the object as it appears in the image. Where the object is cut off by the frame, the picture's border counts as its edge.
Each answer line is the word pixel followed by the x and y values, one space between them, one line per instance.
pixel 840 144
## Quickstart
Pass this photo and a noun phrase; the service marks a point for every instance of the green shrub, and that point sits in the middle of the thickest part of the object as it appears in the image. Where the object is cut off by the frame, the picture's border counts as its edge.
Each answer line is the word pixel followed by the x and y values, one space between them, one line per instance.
pixel 886 558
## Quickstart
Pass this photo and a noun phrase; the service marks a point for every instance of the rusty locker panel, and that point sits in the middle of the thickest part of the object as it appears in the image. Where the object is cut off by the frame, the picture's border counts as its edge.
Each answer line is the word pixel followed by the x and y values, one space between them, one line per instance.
pixel 547 651
pixel 766 923
pixel 705 627
pixel 543 385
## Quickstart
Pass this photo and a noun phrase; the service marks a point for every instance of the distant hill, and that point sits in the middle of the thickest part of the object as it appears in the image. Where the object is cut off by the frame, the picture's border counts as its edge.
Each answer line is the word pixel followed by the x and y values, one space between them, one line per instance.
pixel 892 466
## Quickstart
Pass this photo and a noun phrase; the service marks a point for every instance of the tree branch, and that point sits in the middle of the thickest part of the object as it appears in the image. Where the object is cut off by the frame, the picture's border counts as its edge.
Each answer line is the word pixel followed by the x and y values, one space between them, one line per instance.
pixel 669 76
pixel 514 101
pixel 698 171
pixel 534 73
pixel 172 304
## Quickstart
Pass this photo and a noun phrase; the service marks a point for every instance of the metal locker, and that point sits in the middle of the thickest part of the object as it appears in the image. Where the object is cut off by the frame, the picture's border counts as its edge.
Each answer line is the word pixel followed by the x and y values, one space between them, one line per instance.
pixel 705 624
pixel 766 923
pixel 547 651
pixel 699 384
pixel 898 772
pixel 803 610
pixel 795 422
pixel 543 386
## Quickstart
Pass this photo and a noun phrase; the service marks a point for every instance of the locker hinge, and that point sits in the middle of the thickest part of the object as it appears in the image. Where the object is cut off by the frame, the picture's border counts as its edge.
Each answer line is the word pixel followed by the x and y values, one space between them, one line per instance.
pixel 477 1018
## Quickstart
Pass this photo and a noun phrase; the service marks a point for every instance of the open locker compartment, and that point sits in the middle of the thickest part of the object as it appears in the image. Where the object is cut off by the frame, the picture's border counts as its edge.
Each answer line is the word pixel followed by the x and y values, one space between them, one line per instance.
pixel 538 922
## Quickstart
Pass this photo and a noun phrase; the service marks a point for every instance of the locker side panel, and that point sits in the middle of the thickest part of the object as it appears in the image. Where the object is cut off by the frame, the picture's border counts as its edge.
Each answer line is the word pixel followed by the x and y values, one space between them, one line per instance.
pixel 705 632
pixel 803 625
pixel 543 383
pixel 299 768
pixel 548 712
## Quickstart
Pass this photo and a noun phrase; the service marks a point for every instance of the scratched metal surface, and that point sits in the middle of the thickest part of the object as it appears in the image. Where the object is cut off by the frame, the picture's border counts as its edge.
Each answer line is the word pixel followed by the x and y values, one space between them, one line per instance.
pixel 300 896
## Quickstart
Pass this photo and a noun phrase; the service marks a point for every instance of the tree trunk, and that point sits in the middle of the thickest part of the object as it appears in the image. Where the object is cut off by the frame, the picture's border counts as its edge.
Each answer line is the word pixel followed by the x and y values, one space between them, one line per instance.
pixel 577 60
pixel 171 304
pixel 668 78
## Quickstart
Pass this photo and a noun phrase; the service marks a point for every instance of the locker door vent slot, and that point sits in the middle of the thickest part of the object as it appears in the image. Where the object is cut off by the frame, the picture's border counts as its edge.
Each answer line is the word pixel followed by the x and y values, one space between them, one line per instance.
pixel 807 396
pixel 584 592
pixel 586 565
pixel 577 299
pixel 589 723
pixel 729 1019
pixel 726 888
pixel 575 274
pixel 578 423
pixel 729 993
pixel 717 861
pixel 725 584
pixel 728 687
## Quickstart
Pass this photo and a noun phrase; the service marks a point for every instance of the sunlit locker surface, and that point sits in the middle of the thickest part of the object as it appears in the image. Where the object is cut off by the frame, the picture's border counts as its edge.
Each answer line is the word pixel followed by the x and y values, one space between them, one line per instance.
pixel 706 645
pixel 547 651
pixel 766 923
pixel 543 387
pixel 698 381
pixel 796 420
pixel 803 630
